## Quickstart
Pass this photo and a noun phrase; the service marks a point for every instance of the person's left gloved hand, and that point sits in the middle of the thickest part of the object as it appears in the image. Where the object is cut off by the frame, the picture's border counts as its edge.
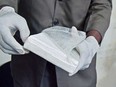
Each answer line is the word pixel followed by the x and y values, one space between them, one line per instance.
pixel 87 49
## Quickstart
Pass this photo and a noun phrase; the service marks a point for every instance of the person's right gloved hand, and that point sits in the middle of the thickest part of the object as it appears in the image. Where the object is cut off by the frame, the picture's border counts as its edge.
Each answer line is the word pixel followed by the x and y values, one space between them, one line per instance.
pixel 10 22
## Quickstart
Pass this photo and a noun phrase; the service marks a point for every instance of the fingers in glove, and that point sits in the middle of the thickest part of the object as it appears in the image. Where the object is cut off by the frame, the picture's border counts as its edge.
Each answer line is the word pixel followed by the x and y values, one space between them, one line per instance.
pixel 10 41
pixel 85 66
pixel 8 51
pixel 5 46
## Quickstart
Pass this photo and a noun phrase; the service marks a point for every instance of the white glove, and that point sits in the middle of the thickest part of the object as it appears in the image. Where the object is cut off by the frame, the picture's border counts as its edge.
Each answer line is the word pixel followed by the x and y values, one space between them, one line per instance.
pixel 10 22
pixel 87 49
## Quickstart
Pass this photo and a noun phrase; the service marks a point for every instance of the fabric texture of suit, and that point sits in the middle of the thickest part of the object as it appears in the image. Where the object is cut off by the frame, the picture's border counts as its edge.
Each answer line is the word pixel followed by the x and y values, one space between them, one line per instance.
pixel 28 70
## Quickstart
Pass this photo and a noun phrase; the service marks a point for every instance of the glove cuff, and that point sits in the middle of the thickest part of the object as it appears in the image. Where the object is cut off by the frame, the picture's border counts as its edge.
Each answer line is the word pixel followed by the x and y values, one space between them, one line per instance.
pixel 6 9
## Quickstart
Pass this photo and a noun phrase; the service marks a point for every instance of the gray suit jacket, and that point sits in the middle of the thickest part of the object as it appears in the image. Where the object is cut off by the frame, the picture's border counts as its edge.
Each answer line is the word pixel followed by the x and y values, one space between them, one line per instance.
pixel 27 70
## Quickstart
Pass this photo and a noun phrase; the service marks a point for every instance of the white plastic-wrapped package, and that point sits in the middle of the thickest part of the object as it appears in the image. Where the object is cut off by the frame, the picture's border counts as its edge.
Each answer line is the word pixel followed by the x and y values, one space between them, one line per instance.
pixel 57 45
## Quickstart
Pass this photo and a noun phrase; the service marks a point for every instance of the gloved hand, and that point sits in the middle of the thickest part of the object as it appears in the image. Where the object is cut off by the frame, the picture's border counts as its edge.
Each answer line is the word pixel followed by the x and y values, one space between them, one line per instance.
pixel 10 22
pixel 87 49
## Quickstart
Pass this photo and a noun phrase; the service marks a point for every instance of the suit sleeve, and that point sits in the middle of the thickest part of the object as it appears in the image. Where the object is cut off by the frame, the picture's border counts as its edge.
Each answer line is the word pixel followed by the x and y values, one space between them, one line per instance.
pixel 99 16
pixel 12 3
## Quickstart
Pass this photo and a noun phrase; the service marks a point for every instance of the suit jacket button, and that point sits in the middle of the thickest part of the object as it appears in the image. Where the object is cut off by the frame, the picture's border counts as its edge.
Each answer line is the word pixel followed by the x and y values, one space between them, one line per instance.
pixel 55 22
